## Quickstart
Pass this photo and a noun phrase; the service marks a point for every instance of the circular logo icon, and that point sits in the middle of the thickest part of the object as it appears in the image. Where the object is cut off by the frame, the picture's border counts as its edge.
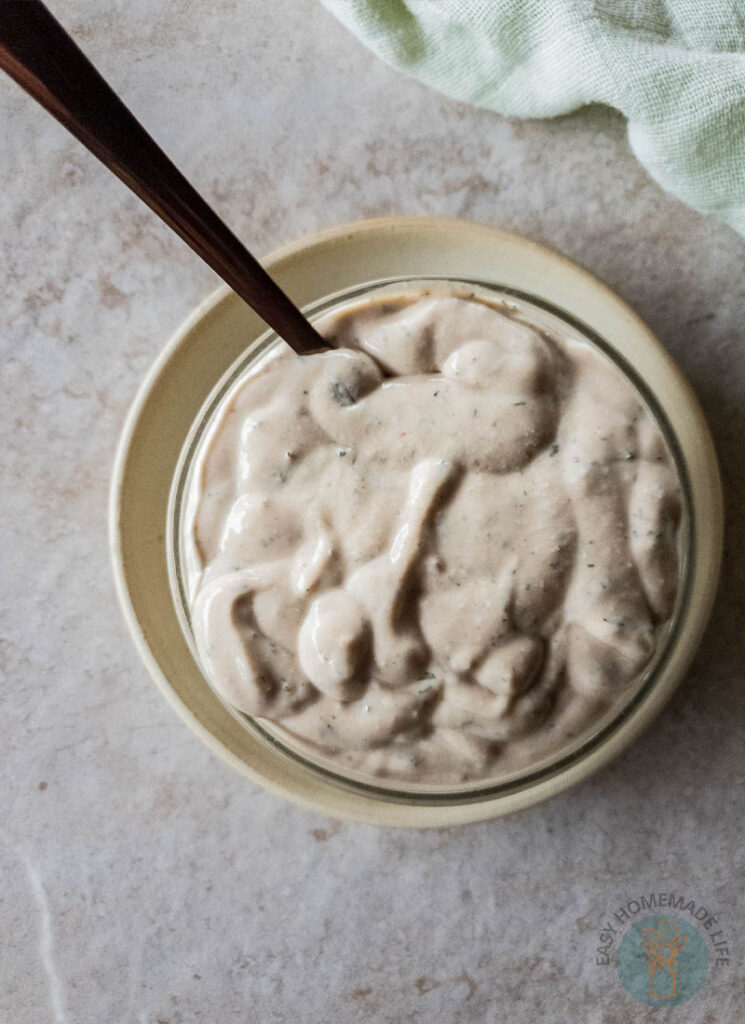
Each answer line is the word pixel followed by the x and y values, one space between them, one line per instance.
pixel 662 961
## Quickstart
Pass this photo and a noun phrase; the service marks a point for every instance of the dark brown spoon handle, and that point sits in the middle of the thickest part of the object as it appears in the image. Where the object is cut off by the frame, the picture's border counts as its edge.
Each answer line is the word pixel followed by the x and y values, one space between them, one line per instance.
pixel 37 52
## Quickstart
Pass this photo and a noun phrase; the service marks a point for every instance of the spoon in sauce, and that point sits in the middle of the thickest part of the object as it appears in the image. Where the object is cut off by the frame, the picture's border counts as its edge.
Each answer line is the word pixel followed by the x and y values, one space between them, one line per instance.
pixel 37 52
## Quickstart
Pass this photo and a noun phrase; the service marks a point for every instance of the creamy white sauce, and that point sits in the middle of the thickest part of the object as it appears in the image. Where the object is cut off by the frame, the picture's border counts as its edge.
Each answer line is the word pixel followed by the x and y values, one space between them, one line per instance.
pixel 441 550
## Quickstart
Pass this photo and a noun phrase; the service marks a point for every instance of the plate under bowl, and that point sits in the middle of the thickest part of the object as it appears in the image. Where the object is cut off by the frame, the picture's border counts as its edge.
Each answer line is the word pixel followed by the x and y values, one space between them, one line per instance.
pixel 210 341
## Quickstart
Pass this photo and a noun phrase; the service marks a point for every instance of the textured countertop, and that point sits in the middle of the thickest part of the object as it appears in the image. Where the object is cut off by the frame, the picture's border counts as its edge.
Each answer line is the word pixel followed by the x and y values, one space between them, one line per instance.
pixel 143 880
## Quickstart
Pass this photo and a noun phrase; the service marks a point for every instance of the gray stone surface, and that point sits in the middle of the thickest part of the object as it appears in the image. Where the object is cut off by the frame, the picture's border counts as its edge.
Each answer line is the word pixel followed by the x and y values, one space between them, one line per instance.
pixel 144 881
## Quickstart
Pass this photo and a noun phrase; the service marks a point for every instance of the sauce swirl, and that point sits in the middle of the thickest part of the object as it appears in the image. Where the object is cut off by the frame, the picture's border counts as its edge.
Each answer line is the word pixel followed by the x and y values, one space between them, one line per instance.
pixel 438 550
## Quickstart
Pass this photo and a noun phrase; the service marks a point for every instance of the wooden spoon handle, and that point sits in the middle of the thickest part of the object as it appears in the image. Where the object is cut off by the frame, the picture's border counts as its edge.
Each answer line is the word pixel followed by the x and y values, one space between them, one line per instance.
pixel 37 52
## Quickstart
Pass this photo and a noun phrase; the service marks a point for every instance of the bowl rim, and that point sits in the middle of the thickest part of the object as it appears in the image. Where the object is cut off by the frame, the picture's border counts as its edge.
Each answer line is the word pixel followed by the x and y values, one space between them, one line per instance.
pixel 371 807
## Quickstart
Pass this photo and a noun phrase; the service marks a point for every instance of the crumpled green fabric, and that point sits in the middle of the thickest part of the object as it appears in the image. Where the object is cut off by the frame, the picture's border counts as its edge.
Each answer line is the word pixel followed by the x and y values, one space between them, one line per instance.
pixel 675 68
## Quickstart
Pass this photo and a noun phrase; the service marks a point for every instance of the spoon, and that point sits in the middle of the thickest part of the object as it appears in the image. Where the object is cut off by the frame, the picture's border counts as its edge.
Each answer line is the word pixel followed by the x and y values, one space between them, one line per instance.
pixel 37 52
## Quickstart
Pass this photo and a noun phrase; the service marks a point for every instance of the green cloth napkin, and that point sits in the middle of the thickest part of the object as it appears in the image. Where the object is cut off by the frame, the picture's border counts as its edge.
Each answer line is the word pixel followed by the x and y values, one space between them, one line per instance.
pixel 675 68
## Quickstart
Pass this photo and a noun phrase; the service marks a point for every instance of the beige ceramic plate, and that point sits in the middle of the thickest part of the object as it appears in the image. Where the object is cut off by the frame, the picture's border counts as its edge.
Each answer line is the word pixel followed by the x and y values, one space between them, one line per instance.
pixel 209 342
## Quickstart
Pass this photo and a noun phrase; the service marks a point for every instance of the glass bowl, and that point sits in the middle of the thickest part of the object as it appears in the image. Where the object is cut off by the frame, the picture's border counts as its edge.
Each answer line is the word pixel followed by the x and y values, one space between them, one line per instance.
pixel 676 639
